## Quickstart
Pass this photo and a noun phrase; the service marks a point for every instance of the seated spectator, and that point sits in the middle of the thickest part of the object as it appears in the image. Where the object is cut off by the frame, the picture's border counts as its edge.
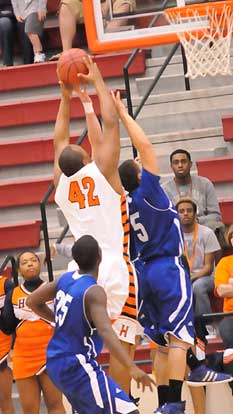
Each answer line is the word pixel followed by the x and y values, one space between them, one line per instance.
pixel 200 246
pixel 200 189
pixel 8 30
pixel 224 288
pixel 119 6
pixel 71 14
pixel 32 14
pixel 32 335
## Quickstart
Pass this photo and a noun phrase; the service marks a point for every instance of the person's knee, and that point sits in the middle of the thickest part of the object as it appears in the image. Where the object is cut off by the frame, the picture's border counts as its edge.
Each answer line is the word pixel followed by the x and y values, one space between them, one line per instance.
pixel 6 24
pixel 200 287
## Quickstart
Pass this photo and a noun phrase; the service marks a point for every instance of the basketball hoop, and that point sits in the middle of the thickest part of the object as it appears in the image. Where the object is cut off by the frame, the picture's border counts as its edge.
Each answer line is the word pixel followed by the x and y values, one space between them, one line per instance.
pixel 207 39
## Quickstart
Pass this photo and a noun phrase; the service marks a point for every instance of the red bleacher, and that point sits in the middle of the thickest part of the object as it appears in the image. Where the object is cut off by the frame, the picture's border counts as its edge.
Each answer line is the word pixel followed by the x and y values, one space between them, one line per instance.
pixel 227 124
pixel 31 151
pixel 20 235
pixel 219 170
pixel 31 76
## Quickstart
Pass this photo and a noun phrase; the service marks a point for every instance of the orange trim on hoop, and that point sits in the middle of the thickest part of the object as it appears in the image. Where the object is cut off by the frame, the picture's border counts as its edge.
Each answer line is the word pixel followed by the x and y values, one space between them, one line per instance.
pixel 97 46
pixel 201 8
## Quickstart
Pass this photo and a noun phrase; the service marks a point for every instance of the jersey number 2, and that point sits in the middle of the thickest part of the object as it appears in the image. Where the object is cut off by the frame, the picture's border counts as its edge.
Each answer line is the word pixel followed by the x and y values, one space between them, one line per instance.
pixel 77 195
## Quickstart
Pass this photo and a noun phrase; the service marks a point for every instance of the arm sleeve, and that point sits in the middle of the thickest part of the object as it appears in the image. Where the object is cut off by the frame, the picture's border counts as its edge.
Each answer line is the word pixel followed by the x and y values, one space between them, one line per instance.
pixel 212 244
pixel 212 206
pixel 221 273
pixel 151 189
pixel 64 250
pixel 15 7
pixel 42 5
pixel 8 321
pixel 8 286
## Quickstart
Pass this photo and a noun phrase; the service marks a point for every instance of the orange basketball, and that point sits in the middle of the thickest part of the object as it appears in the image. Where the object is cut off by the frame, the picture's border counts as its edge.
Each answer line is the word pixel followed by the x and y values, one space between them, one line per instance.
pixel 70 64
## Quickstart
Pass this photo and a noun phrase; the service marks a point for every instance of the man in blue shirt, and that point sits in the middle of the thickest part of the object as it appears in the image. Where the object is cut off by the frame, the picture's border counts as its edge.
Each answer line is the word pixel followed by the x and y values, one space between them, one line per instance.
pixel 82 325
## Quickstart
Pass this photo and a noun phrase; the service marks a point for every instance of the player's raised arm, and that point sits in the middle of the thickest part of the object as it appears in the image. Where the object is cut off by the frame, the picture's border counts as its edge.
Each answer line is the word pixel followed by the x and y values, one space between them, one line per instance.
pixel 37 300
pixel 95 305
pixel 138 138
pixel 62 128
pixel 106 150
pixel 95 133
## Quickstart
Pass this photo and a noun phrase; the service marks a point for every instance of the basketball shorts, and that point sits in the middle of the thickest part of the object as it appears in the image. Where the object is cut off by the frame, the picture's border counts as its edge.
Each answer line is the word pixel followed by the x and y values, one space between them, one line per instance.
pixel 33 24
pixel 76 8
pixel 166 306
pixel 87 387
pixel 118 278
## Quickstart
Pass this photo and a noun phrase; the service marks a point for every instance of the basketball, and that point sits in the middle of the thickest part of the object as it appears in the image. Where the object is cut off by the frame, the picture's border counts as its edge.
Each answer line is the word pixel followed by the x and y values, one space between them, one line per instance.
pixel 70 64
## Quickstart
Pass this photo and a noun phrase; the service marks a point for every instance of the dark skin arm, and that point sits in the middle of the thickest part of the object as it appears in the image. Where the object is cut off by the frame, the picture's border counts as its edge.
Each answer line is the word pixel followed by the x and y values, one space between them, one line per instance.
pixel 95 305
pixel 37 301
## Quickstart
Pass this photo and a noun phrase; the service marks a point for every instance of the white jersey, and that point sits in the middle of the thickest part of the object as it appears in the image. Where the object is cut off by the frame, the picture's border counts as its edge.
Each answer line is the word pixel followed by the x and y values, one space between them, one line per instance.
pixel 91 206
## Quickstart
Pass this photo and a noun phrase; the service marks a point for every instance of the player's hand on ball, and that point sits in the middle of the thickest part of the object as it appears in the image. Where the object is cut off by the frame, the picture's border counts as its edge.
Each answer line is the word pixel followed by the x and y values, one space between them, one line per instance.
pixel 66 90
pixel 93 75
pixel 141 378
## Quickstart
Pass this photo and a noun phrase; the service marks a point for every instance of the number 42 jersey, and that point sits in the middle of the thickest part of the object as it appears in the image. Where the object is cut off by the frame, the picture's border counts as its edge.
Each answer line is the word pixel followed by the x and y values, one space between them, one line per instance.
pixel 91 206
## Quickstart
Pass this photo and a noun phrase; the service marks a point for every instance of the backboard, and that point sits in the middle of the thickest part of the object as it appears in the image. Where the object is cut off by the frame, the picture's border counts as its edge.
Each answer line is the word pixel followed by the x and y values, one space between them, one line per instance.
pixel 116 25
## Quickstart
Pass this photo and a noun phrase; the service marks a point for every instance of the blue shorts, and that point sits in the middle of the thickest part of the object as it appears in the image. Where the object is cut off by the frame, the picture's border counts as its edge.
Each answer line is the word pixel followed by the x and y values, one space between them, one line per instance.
pixel 87 387
pixel 166 301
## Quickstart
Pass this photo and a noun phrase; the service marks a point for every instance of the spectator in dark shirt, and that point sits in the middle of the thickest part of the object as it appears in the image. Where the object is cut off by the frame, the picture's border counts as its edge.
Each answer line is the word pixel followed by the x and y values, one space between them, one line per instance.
pixel 8 29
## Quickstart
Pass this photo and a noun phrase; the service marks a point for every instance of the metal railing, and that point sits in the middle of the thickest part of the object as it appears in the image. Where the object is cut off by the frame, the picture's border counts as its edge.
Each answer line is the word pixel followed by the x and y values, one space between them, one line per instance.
pixel 45 222
pixel 14 272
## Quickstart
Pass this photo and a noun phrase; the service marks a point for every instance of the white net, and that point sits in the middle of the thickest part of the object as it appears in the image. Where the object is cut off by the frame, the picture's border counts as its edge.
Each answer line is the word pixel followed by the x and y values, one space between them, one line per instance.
pixel 208 50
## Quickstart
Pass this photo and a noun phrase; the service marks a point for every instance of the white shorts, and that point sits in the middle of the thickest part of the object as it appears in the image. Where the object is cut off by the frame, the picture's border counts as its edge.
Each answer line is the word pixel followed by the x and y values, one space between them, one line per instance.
pixel 118 278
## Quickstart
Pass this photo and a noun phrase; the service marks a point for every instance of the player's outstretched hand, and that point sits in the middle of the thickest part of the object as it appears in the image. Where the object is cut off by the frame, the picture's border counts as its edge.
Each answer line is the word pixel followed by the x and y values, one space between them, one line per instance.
pixel 94 75
pixel 120 107
pixel 141 378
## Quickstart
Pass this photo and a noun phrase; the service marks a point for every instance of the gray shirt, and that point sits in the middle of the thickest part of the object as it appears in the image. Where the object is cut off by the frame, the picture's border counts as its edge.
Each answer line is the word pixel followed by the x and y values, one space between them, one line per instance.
pixel 203 194
pixel 25 7
pixel 206 242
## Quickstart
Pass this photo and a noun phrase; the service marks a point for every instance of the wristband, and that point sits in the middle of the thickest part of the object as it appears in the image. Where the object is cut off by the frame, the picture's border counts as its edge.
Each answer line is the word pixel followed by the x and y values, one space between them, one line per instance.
pixel 88 107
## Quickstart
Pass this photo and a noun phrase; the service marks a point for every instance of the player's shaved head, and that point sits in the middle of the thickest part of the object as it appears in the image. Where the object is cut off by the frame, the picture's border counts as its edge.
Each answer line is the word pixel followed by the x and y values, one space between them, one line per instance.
pixel 129 173
pixel 72 159
pixel 86 252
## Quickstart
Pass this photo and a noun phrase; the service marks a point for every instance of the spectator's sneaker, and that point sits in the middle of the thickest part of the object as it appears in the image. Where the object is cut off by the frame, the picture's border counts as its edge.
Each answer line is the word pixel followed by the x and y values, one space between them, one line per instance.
pixel 205 376
pixel 39 57
pixel 172 408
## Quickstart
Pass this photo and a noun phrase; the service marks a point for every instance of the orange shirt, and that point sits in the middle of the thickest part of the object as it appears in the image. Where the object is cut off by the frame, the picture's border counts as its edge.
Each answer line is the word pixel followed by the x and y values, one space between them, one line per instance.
pixel 5 340
pixel 32 337
pixel 224 272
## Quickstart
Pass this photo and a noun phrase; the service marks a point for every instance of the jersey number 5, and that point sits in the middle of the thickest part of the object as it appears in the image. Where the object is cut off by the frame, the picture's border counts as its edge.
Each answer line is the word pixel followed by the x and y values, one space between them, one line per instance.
pixel 77 194
pixel 138 227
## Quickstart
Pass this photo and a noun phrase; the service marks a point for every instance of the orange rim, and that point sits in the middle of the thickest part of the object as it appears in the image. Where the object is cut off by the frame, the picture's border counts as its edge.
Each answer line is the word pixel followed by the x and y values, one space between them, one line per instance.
pixel 202 9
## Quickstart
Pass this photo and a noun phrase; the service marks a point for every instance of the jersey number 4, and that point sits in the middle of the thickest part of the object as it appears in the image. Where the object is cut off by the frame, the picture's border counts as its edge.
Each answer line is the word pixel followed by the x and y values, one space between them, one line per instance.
pixel 83 198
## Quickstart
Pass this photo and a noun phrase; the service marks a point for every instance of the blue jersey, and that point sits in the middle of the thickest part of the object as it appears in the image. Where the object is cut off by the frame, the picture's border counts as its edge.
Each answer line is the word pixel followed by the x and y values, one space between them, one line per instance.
pixel 73 333
pixel 155 223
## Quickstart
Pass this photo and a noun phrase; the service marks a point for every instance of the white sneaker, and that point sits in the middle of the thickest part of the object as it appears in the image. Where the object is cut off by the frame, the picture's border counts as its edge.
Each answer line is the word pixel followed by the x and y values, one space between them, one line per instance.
pixel 39 57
